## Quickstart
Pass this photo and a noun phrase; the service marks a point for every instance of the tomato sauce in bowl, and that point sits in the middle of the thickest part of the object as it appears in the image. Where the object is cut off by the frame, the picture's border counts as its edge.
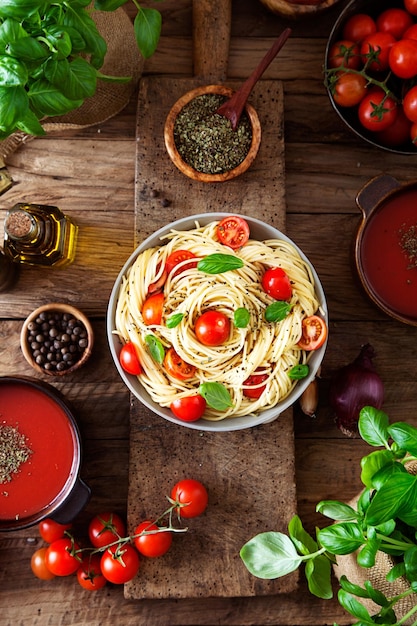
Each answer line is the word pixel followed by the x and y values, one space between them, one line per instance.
pixel 44 423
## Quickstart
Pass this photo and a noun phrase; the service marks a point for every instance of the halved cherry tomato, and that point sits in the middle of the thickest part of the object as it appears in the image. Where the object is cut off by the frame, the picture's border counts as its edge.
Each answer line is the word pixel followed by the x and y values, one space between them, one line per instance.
pixel 254 388
pixel 154 542
pixel 89 573
pixel 177 367
pixel 178 256
pixel 152 309
pixel 346 53
pixel 189 409
pixel 129 359
pixel 158 284
pixel 277 284
pixel 212 328
pixel 314 333
pixel 233 231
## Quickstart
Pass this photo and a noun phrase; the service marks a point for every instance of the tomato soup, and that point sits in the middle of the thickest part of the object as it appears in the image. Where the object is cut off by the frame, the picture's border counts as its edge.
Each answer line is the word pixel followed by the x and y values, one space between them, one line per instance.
pixel 49 434
pixel 390 269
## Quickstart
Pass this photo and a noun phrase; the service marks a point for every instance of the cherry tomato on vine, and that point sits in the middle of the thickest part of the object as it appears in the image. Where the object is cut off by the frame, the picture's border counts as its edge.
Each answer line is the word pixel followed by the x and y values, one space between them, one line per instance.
pixel 358 27
pixel 129 359
pixel 61 557
pixel 192 492
pixel 411 33
pixel 411 6
pixel 346 53
pixel 276 283
pixel 152 309
pixel 313 333
pixel 377 112
pixel 212 328
pixel 38 565
pixel 403 58
pixel 177 367
pixel 377 44
pixel 410 104
pixel 190 408
pixel 349 89
pixel 394 21
pixel 233 231
pixel 253 387
pixel 155 543
pixel 50 530
pixel 396 134
pixel 119 564
pixel 177 257
pixel 89 574
pixel 105 528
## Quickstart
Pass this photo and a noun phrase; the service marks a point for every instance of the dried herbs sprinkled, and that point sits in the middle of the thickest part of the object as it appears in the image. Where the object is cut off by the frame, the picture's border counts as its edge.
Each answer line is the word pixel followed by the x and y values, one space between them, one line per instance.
pixel 13 452
pixel 408 243
pixel 206 140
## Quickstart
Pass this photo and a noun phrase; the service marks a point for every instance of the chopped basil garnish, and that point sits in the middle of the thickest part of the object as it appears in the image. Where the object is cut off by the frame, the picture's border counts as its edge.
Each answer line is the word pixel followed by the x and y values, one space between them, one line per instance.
pixel 156 348
pixel 218 263
pixel 277 311
pixel 299 372
pixel 216 396
pixel 241 317
pixel 174 320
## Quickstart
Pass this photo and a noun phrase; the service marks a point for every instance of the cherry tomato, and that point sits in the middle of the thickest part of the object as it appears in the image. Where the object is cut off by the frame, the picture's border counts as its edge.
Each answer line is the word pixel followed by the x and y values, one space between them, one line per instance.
pixel 252 387
pixel 396 134
pixel 349 89
pixel 403 58
pixel 410 104
pixel 177 367
pixel 377 112
pixel 377 44
pixel 61 557
pixel 189 409
pixel 179 256
pixel 411 6
pixel 89 574
pixel 157 286
pixel 233 231
pixel 358 27
pixel 411 33
pixel 129 359
pixel 39 567
pixel 394 21
pixel 50 530
pixel 276 283
pixel 346 53
pixel 154 544
pixel 212 328
pixel 193 493
pixel 105 529
pixel 119 564
pixel 313 333
pixel 152 309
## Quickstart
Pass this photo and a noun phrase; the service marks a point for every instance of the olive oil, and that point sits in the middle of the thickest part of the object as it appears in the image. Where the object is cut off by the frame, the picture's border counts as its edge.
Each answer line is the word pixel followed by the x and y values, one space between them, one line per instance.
pixel 37 234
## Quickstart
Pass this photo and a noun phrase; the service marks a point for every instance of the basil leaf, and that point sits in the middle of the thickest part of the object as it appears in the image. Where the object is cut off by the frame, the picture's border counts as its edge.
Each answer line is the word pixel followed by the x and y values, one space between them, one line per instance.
pixel 270 555
pixel 156 348
pixel 241 317
pixel 218 263
pixel 216 395
pixel 147 28
pixel 174 320
pixel 277 311
pixel 298 372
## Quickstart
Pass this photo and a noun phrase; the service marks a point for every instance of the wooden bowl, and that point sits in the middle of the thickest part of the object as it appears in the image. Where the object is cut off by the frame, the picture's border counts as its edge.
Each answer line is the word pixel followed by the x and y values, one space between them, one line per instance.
pixel 59 308
pixel 184 167
pixel 298 8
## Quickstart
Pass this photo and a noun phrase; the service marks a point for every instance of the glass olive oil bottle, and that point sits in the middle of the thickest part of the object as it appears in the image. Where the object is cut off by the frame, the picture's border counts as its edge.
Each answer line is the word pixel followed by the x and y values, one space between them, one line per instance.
pixel 37 234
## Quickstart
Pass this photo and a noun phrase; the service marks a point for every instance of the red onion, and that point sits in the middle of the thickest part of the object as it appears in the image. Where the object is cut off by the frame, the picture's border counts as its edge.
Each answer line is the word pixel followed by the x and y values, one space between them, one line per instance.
pixel 354 386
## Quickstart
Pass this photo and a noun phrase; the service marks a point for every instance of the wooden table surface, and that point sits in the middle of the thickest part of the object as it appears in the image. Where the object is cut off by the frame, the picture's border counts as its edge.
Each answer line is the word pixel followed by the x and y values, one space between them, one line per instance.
pixel 91 176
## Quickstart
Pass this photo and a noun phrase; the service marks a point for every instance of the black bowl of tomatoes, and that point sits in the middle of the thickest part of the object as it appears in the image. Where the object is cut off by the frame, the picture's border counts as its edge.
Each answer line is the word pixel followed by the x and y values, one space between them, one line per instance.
pixel 371 72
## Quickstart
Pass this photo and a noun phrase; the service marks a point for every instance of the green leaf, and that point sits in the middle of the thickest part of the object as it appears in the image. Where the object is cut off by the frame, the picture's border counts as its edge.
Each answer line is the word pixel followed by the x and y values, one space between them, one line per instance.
pixel 82 80
pixel 59 38
pixel 298 372
pixel 304 543
pixel 46 99
pixel 108 5
pixel 270 555
pixel 27 49
pixel 387 472
pixel 218 263
pixel 10 31
pixel 81 21
pixel 12 72
pixel 21 9
pixel 155 347
pixel 373 426
pixel 277 311
pixel 30 124
pixel 375 595
pixel 355 590
pixel 336 510
pixel 147 28
pixel 318 574
pixel 395 495
pixel 216 395
pixel 174 320
pixel 405 436
pixel 14 104
pixel 343 538
pixel 372 463
pixel 366 556
pixel 241 317
pixel 355 608
pixel 396 572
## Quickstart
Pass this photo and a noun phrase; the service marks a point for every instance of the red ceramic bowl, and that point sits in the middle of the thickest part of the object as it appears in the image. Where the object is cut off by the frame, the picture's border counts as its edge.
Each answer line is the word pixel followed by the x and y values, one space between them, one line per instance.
pixel 47 484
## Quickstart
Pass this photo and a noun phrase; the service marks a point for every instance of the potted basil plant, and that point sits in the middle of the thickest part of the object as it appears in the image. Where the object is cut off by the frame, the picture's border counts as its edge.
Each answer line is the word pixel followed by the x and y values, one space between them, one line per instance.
pixel 51 53
pixel 382 522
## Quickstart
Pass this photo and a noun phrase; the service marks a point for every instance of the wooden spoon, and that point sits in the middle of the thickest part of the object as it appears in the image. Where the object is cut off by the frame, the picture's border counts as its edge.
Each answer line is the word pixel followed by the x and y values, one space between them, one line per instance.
pixel 232 108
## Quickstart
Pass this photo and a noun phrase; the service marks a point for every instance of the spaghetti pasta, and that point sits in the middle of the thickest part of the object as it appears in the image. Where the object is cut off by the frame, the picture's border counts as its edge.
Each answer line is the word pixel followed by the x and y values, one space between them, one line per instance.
pixel 261 347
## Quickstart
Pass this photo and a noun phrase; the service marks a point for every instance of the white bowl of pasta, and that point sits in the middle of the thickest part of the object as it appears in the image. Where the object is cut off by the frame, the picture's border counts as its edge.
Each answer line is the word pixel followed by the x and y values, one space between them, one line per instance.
pixel 217 322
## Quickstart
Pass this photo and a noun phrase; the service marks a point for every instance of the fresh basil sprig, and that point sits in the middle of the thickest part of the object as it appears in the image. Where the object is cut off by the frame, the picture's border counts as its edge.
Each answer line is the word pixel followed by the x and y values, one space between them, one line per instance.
pixel 155 347
pixel 277 311
pixel 216 395
pixel 241 317
pixel 218 263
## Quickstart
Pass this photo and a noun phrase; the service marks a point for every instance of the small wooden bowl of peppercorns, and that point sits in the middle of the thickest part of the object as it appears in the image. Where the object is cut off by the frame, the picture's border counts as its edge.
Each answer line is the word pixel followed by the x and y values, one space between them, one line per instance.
pixel 56 339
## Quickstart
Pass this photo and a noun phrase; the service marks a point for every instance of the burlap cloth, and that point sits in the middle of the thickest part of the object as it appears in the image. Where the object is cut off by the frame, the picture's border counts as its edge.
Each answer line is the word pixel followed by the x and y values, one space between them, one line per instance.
pixel 122 59
pixel 348 566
